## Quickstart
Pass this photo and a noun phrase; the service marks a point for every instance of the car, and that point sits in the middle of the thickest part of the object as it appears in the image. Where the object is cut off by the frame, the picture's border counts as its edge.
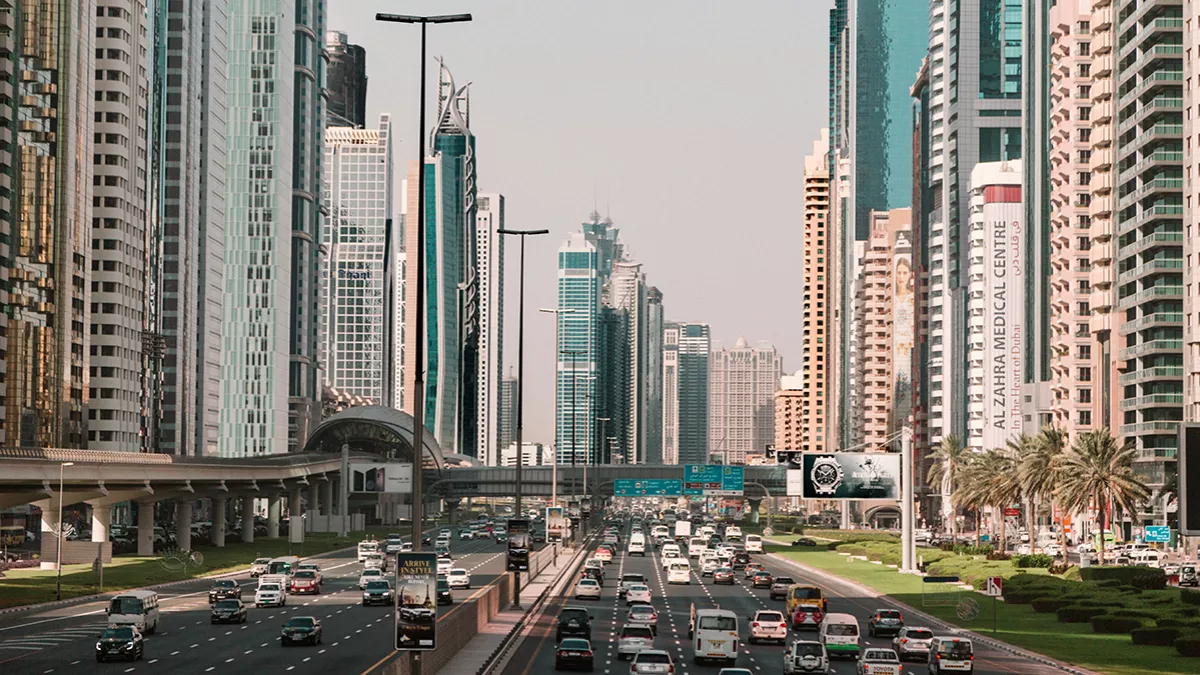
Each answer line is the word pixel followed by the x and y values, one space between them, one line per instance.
pixel 459 578
pixel 643 615
pixel 633 639
pixel 573 622
pixel 762 579
pixel 426 541
pixel 445 533
pixel 259 567
pixel 655 661
pixel 805 656
pixel 368 576
pixel 951 655
pixel 594 574
pixel 723 575
pixel 735 671
pixel 637 594
pixel 120 642
pixel 604 554
pixel 913 641
pixel 376 561
pixel 803 541
pixel 500 537
pixel 885 622
pixel 708 566
pixel 417 614
pixel 780 586
pixel 230 610
pixel 444 596
pixel 392 545
pixel 444 565
pixel 1053 550
pixel 587 588
pixel 575 654
pixel 733 533
pixel 539 536
pixel 750 569
pixel 876 661
pixel 442 551
pixel 312 567
pixel 768 625
pixel 630 579
pixel 740 560
pixel 1023 549
pixel 1188 575
pixel 378 592
pixel 222 589
pixel 270 594
pixel 806 616
pixel 466 534
pixel 300 629
pixel 669 557
pixel 305 581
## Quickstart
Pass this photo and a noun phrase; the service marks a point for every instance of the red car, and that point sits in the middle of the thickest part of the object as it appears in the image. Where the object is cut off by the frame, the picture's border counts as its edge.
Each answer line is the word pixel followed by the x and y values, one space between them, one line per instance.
pixel 304 581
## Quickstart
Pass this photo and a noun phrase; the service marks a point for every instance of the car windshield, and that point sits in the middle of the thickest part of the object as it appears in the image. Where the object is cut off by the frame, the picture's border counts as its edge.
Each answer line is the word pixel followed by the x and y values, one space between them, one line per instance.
pixel 889 614
pixel 718 623
pixel 842 629
pixel 955 649
pixel 638 588
pixel 633 577
pixel 125 606
pixel 783 580
pixel 378 586
pixel 225 583
pixel 806 649
pixel 228 604
pixel 637 632
pixel 769 616
pixel 652 657
pixel 261 561
pixel 880 655
pixel 588 582
pixel 372 573
pixel 920 634
pixel 124 633
pixel 573 615
pixel 305 574
pixel 638 610
pixel 807 593
pixel 301 622
pixel 575 643
pixel 269 587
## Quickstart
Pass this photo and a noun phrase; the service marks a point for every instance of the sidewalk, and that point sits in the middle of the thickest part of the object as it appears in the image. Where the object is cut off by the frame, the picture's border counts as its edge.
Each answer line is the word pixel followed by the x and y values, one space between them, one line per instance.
pixel 472 657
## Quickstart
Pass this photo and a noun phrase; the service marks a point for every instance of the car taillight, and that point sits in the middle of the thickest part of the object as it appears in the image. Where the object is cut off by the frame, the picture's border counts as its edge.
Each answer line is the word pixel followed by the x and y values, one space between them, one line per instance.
pixel 754 624
pixel 561 653
pixel 903 641
pixel 800 616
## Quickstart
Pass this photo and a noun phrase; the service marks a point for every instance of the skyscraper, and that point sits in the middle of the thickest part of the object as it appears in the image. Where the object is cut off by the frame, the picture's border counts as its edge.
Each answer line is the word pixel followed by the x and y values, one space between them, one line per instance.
pixel 791 432
pixel 577 346
pixel 358 193
pixel 269 398
pixel 652 375
pixel 508 410
pixel 490 352
pixel 45 253
pixel 347 81
pixel 741 400
pixel 814 373
pixel 623 360
pixel 187 220
pixel 685 362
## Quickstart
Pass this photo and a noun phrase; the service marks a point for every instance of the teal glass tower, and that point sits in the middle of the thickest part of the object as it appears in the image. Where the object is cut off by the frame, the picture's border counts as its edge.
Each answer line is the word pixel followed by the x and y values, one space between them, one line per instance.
pixel 579 284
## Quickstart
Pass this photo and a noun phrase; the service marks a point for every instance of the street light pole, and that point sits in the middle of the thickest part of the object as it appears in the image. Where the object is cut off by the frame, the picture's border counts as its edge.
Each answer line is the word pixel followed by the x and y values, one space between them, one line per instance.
pixel 58 553
pixel 520 385
pixel 418 393
pixel 554 470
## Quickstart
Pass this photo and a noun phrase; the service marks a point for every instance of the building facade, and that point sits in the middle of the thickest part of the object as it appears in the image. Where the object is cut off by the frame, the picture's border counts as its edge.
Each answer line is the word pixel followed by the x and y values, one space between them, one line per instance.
pixel 347 81
pixel 577 345
pixel 490 366
pixel 815 368
pixel 741 400
pixel 1191 241
pixel 791 432
pixel 358 191
pixel 686 353
pixel 508 409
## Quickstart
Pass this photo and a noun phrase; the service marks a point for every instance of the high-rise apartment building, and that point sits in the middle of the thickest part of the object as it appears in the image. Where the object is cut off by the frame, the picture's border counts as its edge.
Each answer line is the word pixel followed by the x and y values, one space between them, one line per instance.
pixel 652 374
pixel 852 351
pixel 490 361
pixel 187 223
pixel 577 347
pixel 790 402
pixel 119 239
pixel 818 255
pixel 623 360
pixel 269 397
pixel 685 365
pixel 508 410
pixel 358 192
pixel 741 400
pixel 346 81
pixel 1191 225
pixel 46 253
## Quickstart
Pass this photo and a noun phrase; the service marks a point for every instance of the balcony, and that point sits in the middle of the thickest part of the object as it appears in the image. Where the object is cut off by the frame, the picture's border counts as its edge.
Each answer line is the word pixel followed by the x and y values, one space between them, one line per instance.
pixel 1151 400
pixel 1152 347
pixel 1146 428
pixel 1158 78
pixel 1151 241
pixel 1156 320
pixel 1160 264
pixel 1144 9
pixel 1155 52
pixel 1147 374
pixel 1158 157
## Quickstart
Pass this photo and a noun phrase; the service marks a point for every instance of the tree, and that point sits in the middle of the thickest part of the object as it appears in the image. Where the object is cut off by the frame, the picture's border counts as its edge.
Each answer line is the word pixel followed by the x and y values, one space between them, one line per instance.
pixel 1038 467
pixel 990 480
pixel 1098 469
pixel 947 463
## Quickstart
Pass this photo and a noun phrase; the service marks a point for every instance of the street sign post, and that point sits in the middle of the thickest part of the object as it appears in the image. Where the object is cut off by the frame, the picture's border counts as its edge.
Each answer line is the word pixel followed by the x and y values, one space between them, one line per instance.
pixel 714 480
pixel 652 487
pixel 1158 534
pixel 995 589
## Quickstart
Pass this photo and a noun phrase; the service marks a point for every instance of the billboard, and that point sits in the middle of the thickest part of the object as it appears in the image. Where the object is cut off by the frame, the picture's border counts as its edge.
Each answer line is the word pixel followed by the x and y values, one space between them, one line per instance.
pixel 416 601
pixel 999 349
pixel 391 478
pixel 846 475
pixel 556 523
pixel 1189 479
pixel 655 487
pixel 714 480
pixel 903 326
pixel 518 545
pixel 793 459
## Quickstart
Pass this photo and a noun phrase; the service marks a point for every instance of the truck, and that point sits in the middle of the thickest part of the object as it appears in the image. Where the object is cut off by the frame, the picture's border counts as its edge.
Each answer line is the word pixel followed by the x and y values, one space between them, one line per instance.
pixel 683 530
pixel 556 524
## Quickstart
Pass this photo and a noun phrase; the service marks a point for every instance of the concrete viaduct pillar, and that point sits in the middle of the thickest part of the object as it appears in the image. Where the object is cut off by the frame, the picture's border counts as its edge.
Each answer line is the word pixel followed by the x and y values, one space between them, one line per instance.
pixel 327 498
pixel 218 521
pixel 274 506
pixel 145 528
pixel 248 519
pixel 101 516
pixel 754 505
pixel 295 516
pixel 183 524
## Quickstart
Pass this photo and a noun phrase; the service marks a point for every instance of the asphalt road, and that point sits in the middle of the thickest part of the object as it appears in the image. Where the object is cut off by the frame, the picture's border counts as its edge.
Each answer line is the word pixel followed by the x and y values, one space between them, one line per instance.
pixel 536 654
pixel 62 640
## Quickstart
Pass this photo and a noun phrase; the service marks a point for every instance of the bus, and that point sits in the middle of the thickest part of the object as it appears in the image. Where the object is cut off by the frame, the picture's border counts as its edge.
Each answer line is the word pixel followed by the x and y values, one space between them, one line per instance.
pixel 134 608
pixel 366 548
pixel 714 635
pixel 283 565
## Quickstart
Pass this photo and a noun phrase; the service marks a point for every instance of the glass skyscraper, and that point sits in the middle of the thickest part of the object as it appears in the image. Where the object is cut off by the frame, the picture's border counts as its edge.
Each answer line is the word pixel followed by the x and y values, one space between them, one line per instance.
pixel 579 280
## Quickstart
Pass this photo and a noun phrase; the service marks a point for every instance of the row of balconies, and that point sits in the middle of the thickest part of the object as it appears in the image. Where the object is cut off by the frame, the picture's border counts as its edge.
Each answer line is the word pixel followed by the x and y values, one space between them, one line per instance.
pixel 1152 347
pixel 1147 374
pixel 1153 293
pixel 1157 319
pixel 1158 264
pixel 1158 157
pixel 1151 400
pixel 1143 428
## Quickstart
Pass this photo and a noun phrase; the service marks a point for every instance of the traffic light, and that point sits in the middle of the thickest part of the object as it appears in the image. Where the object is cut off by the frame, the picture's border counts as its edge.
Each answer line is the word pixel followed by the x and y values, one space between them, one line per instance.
pixel 1189 480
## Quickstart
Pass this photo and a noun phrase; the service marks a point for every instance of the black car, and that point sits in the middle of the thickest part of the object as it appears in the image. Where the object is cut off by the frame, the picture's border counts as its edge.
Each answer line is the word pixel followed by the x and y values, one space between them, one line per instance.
pixel 573 622
pixel 594 573
pixel 229 610
pixel 574 653
pixel 120 642
pixel 426 541
pixel 885 622
pixel 378 593
pixel 222 589
pixel 301 629
pixel 803 541
pixel 444 596
pixel 740 560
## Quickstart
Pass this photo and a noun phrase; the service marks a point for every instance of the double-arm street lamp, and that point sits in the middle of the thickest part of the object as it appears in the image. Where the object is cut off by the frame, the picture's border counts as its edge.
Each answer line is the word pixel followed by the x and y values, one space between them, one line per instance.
pixel 554 471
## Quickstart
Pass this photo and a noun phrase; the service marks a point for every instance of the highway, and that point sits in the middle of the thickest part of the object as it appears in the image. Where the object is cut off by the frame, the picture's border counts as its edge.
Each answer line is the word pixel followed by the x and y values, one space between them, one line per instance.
pixel 536 654
pixel 63 639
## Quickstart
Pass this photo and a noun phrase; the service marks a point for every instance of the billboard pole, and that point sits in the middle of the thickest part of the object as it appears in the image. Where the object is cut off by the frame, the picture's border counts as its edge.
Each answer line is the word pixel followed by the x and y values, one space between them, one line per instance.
pixel 908 554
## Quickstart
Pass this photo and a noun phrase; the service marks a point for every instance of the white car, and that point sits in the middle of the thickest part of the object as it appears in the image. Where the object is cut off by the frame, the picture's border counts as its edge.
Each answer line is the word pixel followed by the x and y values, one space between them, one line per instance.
pixel 639 593
pixel 708 566
pixel 445 534
pixel 406 547
pixel 376 561
pixel 444 565
pixel 634 639
pixel 652 661
pixel 913 641
pixel 1054 550
pixel 459 578
pixel 587 588
pixel 270 595
pixel 259 567
pixel 733 533
pixel 768 625
pixel 1024 549
pixel 392 546
pixel 670 557
pixel 369 575
pixel 879 662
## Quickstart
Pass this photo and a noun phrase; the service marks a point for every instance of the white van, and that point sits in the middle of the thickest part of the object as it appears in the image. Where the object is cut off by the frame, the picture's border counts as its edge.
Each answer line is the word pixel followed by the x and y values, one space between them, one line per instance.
pixel 715 635
pixel 1146 558
pixel 637 544
pixel 733 533
pixel 951 655
pixel 697 546
pixel 134 608
pixel 840 635
pixel 366 548
pixel 753 543
pixel 679 572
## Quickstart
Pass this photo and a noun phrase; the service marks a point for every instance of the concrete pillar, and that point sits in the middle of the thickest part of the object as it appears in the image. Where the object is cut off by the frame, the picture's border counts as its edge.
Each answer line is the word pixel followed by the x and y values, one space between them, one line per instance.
pixel 274 505
pixel 295 517
pixel 314 500
pixel 101 517
pixel 218 521
pixel 754 506
pixel 327 498
pixel 145 528
pixel 51 524
pixel 248 519
pixel 183 524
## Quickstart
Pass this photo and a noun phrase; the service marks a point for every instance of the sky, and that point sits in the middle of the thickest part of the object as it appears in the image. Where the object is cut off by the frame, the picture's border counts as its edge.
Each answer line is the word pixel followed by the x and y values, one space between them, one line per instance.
pixel 686 122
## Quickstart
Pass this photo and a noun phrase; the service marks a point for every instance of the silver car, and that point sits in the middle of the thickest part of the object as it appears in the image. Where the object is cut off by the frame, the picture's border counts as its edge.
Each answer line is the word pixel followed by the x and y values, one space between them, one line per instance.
pixel 913 641
pixel 634 639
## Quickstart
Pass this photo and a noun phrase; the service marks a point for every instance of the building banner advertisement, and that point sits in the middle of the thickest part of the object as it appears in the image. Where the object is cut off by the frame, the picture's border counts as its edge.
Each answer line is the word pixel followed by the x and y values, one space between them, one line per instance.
pixel 416 601
pixel 518 545
pixel 391 478
pixel 903 328
pixel 847 475
pixel 1004 323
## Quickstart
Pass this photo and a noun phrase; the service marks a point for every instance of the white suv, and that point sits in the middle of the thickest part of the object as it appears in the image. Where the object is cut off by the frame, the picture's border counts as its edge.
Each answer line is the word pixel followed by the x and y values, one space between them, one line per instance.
pixel 270 595
pixel 768 625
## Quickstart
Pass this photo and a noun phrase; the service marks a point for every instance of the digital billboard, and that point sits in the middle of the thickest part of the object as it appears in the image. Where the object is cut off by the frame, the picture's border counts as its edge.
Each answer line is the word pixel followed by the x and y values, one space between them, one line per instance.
pixel 392 478
pixel 416 601
pixel 846 475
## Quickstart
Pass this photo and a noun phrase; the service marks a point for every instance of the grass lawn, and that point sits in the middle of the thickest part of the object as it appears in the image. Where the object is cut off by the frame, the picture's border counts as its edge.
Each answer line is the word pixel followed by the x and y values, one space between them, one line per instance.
pixel 1019 625
pixel 28 586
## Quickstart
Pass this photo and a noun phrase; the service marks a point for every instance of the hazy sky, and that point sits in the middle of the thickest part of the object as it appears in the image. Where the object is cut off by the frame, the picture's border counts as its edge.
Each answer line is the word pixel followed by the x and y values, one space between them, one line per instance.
pixel 688 123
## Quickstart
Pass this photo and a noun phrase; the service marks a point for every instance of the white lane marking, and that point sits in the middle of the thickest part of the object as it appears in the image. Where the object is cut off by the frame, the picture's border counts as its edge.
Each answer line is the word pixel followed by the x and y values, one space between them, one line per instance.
pixel 152 661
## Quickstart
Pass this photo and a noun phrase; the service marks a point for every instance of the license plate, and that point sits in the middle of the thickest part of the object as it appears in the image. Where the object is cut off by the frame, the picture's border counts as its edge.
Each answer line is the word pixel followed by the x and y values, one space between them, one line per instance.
pixel 574 653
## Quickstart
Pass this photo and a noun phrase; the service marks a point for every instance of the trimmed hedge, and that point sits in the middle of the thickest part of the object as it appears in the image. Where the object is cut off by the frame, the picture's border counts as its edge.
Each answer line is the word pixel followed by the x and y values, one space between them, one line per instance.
pixel 1125 575
pixel 1049 605
pixel 1079 613
pixel 1158 637
pixel 1188 646
pixel 1148 580
pixel 1111 623
pixel 1189 596
pixel 1178 622
pixel 1025 598
pixel 1036 560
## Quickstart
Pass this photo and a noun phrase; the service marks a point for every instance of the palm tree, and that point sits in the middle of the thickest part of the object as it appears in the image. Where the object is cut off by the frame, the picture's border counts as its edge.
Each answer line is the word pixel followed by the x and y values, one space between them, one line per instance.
pixel 1024 447
pixel 990 480
pixel 1097 469
pixel 947 463
pixel 1038 467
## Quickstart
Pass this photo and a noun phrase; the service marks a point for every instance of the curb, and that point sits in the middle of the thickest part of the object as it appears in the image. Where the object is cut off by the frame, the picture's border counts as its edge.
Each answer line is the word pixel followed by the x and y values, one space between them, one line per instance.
pixel 990 642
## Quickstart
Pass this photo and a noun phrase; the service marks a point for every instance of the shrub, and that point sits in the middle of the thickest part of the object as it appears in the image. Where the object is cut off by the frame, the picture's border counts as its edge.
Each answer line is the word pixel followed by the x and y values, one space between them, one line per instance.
pixel 1111 623
pixel 1059 568
pixel 1137 613
pixel 998 555
pixel 1072 574
pixel 1160 637
pixel 1188 646
pixel 1124 574
pixel 1156 580
pixel 1187 612
pixel 947 546
pixel 1036 560
pixel 1079 613
pixel 1049 605
pixel 1108 583
pixel 1189 596
pixel 1178 622
pixel 1021 597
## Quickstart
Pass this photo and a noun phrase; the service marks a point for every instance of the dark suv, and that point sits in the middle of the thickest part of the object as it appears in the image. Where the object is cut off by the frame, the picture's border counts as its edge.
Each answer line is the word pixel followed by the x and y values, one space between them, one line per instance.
pixel 224 589
pixel 574 622
pixel 740 560
pixel 885 622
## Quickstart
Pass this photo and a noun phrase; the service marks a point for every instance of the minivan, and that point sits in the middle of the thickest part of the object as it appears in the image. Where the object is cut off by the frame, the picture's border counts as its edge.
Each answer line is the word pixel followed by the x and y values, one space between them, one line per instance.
pixel 951 655
pixel 134 608
pixel 839 633
pixel 637 544
pixel 754 543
